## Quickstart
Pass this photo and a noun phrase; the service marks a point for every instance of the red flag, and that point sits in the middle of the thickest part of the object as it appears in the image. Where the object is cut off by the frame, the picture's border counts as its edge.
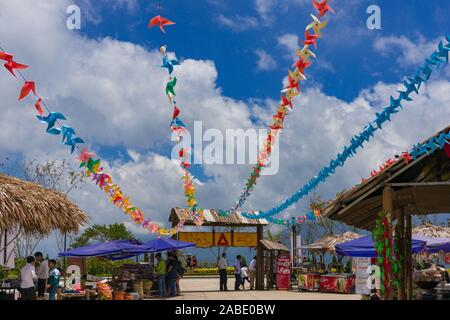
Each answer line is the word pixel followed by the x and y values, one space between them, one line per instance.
pixel 38 107
pixel 27 87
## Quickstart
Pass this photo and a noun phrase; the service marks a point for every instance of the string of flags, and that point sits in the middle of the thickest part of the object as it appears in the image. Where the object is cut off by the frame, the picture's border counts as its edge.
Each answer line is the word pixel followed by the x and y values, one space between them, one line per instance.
pixel 422 75
pixel 287 94
pixel 177 125
pixel 93 167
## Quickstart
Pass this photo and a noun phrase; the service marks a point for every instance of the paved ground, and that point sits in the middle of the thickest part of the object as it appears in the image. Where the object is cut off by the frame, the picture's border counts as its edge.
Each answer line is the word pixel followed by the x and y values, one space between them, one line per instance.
pixel 207 289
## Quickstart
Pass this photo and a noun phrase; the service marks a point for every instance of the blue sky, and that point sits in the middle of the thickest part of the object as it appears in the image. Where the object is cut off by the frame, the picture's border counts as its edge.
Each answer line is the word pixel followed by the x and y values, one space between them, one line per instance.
pixel 347 46
pixel 106 79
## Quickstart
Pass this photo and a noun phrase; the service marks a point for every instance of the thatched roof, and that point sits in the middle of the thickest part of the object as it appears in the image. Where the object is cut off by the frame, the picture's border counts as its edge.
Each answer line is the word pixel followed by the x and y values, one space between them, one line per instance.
pixel 432 231
pixel 36 209
pixel 328 244
pixel 272 245
pixel 213 218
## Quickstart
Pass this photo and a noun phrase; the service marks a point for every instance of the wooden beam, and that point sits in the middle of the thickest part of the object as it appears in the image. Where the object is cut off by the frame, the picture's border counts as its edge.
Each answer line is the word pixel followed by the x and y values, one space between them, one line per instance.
pixel 419 184
pixel 260 259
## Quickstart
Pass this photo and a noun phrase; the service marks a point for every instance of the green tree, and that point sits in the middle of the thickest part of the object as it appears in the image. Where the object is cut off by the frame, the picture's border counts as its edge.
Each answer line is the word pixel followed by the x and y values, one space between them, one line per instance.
pixel 102 233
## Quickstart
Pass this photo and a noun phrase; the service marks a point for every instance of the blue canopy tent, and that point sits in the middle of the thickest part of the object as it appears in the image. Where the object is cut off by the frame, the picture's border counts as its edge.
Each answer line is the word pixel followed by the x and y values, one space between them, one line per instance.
pixel 435 245
pixel 113 250
pixel 160 245
pixel 364 247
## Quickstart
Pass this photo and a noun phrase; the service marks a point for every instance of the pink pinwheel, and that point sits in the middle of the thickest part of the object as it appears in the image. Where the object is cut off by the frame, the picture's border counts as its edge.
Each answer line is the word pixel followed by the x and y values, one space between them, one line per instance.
pixel 84 156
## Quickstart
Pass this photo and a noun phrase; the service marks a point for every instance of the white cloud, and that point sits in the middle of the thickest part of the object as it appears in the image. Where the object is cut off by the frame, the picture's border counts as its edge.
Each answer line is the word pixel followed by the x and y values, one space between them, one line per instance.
pixel 238 23
pixel 265 61
pixel 289 42
pixel 405 51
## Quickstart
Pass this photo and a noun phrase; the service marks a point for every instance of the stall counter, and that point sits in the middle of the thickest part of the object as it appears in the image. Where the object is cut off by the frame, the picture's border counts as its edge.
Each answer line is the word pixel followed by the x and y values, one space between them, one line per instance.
pixel 337 283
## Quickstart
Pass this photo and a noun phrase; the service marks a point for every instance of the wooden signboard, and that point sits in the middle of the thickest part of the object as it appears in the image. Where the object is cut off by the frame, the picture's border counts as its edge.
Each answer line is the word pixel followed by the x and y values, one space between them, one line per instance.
pixel 201 239
pixel 220 239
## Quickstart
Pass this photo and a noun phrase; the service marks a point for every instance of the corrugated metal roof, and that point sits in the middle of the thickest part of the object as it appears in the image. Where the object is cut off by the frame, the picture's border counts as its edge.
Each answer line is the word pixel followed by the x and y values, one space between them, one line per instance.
pixel 270 245
pixel 212 217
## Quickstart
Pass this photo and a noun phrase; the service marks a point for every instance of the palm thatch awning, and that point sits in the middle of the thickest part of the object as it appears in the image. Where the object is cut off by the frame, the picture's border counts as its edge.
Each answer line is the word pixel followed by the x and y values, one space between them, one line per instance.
pixel 273 246
pixel 328 244
pixel 36 210
pixel 432 231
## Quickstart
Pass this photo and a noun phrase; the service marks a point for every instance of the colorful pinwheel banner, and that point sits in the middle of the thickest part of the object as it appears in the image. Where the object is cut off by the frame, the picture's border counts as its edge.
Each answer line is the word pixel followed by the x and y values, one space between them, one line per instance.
pixel 413 85
pixel 177 126
pixel 93 167
pixel 287 94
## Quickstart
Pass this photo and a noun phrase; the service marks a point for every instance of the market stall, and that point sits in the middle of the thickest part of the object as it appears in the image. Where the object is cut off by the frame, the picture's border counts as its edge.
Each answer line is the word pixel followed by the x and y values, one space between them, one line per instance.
pixel 131 281
pixel 314 275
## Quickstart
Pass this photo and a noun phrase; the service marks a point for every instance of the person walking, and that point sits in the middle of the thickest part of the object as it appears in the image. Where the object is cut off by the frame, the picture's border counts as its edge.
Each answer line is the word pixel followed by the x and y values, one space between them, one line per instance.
pixel 172 275
pixel 180 270
pixel 223 265
pixel 27 276
pixel 252 271
pixel 237 273
pixel 53 280
pixel 42 273
pixel 161 274
pixel 244 276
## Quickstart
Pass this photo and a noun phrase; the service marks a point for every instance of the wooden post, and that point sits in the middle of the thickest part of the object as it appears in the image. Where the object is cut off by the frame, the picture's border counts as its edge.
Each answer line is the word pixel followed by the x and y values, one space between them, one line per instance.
pixel 388 207
pixel 408 254
pixel 401 237
pixel 259 259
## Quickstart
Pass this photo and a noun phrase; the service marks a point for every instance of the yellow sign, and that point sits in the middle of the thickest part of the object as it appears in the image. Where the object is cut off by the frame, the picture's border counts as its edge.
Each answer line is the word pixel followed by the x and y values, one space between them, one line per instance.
pixel 223 239
pixel 245 239
pixel 220 239
pixel 201 239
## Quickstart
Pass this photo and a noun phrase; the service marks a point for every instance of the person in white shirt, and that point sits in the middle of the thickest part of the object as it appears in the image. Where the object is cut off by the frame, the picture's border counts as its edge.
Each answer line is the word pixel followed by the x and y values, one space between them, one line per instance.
pixel 244 276
pixel 27 276
pixel 252 270
pixel 223 265
pixel 42 273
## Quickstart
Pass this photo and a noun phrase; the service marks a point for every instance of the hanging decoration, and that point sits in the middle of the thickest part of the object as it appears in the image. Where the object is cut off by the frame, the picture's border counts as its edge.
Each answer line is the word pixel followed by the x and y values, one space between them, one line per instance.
pixel 287 94
pixel 86 158
pixel 422 75
pixel 311 216
pixel 382 237
pixel 177 126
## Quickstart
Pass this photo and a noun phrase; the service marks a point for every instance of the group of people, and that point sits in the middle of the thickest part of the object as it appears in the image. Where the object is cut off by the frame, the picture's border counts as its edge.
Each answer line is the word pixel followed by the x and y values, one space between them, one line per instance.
pixel 45 278
pixel 242 272
pixel 168 274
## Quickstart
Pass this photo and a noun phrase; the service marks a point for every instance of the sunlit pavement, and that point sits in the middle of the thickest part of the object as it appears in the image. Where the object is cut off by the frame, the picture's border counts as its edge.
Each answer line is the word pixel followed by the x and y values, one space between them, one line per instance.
pixel 207 289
